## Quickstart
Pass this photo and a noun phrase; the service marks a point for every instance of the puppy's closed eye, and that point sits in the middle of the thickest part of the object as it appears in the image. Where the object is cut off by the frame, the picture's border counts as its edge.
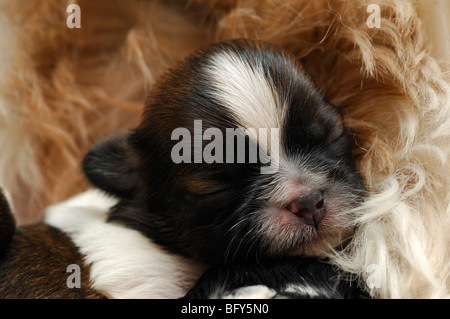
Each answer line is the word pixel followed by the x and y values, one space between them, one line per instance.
pixel 204 187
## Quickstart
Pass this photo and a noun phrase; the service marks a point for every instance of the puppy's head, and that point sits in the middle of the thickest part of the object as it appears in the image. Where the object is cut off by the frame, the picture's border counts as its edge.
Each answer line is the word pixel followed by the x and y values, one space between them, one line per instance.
pixel 238 155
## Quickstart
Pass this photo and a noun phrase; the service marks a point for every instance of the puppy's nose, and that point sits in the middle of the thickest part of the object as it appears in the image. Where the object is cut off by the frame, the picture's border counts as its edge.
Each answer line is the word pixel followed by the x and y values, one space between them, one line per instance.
pixel 309 208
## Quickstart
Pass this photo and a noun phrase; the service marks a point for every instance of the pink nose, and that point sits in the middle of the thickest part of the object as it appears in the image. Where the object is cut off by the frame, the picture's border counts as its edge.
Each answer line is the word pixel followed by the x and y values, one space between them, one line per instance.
pixel 309 208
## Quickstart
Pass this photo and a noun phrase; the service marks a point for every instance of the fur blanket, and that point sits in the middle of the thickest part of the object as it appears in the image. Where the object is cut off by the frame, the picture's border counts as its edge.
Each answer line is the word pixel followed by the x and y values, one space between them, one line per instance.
pixel 62 89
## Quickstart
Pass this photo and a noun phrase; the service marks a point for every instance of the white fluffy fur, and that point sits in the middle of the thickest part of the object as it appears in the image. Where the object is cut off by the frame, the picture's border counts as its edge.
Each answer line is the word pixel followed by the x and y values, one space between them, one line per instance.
pixel 124 263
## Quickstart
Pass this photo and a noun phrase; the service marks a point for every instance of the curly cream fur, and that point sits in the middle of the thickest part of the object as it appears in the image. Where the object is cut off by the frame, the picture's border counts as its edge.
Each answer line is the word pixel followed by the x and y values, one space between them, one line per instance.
pixel 68 88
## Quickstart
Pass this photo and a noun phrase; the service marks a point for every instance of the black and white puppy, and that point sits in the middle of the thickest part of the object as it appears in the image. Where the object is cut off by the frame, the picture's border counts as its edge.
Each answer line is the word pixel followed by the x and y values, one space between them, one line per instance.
pixel 238 158
pixel 225 210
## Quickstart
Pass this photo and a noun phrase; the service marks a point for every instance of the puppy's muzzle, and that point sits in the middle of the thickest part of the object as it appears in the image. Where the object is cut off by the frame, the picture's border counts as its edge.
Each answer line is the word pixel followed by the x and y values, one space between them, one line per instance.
pixel 310 208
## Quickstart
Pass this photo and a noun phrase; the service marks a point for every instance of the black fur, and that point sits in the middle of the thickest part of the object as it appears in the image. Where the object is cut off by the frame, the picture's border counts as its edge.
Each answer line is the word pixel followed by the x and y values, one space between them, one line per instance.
pixel 288 278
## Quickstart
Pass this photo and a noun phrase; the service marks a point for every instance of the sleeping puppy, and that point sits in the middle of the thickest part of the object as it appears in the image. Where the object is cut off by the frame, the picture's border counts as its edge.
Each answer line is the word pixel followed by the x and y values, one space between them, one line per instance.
pixel 290 200
pixel 188 179
pixel 238 157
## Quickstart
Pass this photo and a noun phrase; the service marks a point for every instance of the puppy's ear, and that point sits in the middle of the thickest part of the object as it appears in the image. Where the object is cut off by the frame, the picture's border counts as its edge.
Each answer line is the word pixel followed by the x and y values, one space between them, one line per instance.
pixel 112 166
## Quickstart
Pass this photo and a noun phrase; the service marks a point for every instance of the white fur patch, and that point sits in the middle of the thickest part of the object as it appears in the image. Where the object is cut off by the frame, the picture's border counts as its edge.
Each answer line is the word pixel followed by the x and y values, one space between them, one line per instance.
pixel 252 99
pixel 124 263
pixel 245 91
pixel 264 292
pixel 306 291
pixel 251 292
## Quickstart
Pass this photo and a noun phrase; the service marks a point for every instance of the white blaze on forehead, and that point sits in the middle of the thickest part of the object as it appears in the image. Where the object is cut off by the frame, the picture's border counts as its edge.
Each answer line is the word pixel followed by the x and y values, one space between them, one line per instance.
pixel 251 98
pixel 245 90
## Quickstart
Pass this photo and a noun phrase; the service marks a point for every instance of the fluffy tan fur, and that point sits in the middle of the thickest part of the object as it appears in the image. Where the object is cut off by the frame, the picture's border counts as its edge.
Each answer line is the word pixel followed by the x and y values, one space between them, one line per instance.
pixel 66 88
pixel 69 87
